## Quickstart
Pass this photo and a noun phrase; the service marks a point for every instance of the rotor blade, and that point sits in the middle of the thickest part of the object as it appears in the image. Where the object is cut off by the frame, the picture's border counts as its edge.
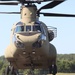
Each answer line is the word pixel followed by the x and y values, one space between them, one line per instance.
pixel 58 15
pixel 51 4
pixel 8 3
pixel 32 1
pixel 9 12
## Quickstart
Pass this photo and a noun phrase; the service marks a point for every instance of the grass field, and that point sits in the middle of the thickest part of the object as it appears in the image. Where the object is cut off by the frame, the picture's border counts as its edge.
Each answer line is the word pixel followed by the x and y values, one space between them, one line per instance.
pixel 65 73
pixel 61 74
pixel 57 74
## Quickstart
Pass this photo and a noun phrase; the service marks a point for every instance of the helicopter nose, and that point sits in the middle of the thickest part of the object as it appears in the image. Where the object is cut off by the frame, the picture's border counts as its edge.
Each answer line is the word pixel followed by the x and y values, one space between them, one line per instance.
pixel 40 41
pixel 28 38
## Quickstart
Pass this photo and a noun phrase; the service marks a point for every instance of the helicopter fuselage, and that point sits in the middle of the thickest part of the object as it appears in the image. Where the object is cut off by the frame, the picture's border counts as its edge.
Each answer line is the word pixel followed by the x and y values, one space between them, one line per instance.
pixel 29 46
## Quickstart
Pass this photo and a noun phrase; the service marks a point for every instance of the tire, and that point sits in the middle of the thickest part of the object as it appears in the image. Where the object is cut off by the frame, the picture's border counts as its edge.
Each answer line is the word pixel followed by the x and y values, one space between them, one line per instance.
pixel 50 69
pixel 54 69
pixel 13 71
pixel 7 70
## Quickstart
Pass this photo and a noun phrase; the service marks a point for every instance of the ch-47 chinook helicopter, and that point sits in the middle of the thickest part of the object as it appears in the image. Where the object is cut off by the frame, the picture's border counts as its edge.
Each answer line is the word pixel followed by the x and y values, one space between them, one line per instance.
pixel 30 46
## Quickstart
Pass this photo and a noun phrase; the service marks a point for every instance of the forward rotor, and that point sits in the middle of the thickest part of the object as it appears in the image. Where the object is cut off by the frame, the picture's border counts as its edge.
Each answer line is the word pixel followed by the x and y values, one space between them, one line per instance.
pixel 50 5
pixel 10 12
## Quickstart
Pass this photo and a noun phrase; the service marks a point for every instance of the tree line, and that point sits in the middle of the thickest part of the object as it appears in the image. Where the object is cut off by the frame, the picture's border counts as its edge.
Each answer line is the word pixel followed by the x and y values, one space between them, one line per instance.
pixel 65 63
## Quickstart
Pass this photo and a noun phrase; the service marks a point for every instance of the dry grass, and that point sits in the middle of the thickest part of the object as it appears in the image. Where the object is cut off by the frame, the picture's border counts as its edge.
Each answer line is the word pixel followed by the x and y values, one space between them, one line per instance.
pixel 65 73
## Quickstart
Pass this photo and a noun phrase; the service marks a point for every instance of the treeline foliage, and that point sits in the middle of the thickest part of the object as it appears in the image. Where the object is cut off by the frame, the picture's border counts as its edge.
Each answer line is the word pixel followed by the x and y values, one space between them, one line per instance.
pixel 3 64
pixel 65 63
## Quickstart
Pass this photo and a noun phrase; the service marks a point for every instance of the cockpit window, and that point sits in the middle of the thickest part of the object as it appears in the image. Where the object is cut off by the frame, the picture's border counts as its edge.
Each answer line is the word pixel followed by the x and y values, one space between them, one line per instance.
pixel 36 28
pixel 19 29
pixel 28 28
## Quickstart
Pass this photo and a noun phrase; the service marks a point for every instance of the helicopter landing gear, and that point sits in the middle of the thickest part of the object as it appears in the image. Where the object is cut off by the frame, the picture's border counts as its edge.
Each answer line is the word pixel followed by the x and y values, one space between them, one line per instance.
pixel 31 72
pixel 53 69
pixel 10 70
pixel 32 69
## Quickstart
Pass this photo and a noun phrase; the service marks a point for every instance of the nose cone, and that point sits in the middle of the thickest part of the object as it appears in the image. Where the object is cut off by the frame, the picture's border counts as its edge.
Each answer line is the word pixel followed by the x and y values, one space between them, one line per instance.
pixel 28 38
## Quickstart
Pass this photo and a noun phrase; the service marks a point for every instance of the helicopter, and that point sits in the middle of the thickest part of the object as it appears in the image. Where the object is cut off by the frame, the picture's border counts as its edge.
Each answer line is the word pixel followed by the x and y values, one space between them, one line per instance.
pixel 30 46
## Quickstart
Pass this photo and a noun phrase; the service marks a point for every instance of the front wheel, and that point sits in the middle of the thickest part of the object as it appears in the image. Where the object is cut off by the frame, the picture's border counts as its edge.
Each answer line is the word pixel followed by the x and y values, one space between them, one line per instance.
pixel 7 70
pixel 10 71
pixel 53 69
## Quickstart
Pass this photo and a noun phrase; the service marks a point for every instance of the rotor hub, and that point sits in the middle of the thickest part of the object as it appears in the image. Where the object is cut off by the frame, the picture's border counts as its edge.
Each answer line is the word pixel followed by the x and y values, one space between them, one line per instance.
pixel 28 13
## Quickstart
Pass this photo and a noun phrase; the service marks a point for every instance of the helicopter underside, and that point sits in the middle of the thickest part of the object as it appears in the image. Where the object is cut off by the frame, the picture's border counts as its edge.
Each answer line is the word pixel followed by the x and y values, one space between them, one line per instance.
pixel 31 58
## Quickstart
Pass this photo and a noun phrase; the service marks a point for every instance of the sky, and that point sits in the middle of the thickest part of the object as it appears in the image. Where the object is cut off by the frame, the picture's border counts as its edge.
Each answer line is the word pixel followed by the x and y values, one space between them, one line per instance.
pixel 65 40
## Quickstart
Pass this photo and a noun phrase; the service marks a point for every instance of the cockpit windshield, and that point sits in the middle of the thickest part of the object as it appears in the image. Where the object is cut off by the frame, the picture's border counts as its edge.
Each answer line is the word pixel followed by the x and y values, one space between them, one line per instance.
pixel 33 28
pixel 19 29
pixel 36 28
pixel 28 28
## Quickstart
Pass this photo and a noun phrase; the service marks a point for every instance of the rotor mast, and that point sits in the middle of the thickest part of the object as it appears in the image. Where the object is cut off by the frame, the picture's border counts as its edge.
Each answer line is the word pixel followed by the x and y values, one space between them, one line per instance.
pixel 28 13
